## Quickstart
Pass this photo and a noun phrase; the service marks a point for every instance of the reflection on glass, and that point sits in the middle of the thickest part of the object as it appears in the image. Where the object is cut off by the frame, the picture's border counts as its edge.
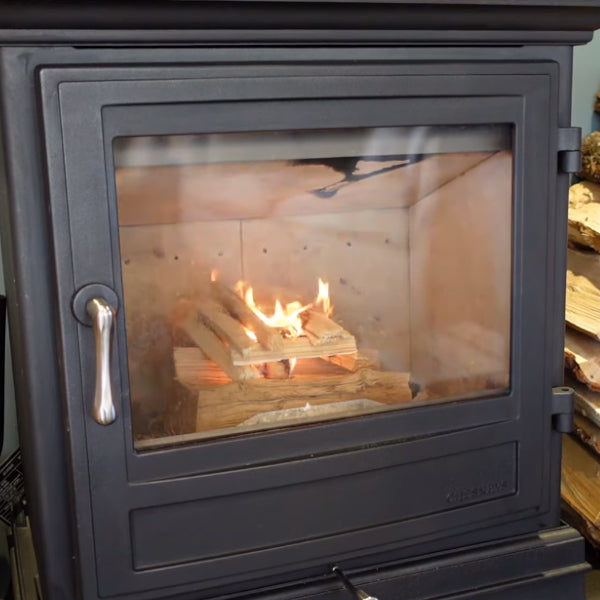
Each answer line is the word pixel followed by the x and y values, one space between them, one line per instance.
pixel 274 279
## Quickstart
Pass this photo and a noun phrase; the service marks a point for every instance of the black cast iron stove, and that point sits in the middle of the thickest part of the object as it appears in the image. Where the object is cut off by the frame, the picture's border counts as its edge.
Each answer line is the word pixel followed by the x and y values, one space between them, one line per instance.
pixel 285 285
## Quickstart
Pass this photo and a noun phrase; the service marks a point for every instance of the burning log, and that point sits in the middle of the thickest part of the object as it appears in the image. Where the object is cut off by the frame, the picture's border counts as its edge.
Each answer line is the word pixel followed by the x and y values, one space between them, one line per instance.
pixel 282 369
pixel 228 330
pixel 268 337
pixel 213 347
pixel 194 370
pixel 300 347
pixel 212 314
pixel 231 404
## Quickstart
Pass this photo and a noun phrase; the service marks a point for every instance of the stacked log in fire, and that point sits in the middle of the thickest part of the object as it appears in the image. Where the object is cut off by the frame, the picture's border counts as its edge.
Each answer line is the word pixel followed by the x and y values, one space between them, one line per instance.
pixel 299 364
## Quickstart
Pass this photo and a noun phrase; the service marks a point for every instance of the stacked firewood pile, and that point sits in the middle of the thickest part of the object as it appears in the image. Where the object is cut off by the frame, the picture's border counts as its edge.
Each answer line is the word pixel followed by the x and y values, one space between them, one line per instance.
pixel 582 339
pixel 251 373
pixel 580 482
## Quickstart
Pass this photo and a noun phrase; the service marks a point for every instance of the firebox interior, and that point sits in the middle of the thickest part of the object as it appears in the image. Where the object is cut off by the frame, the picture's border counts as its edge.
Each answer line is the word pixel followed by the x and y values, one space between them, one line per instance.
pixel 389 218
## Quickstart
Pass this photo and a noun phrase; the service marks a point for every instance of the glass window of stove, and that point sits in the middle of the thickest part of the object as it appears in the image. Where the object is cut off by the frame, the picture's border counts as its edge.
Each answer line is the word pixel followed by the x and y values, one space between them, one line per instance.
pixel 275 279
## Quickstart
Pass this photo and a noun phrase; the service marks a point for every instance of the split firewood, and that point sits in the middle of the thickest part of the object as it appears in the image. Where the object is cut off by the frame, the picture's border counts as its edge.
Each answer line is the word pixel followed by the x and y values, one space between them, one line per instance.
pixel 194 370
pixel 232 404
pixel 268 337
pixel 364 358
pixel 584 214
pixel 580 488
pixel 213 347
pixel 280 369
pixel 300 347
pixel 321 329
pixel 212 314
pixel 583 292
pixel 364 383
pixel 309 412
pixel 586 402
pixel 582 358
pixel 590 157
pixel 587 432
pixel 307 368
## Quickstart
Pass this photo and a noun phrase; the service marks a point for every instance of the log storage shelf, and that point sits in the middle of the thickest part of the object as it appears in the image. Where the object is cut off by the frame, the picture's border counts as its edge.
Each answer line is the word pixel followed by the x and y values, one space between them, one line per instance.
pixel 581 451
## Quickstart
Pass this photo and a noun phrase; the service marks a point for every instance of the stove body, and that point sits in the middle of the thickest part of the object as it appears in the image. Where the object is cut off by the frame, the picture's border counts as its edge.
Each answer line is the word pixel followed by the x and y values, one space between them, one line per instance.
pixel 425 153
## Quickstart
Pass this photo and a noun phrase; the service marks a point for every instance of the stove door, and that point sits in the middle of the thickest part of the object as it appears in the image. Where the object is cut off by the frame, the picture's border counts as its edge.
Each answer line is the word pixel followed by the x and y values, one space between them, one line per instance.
pixel 321 302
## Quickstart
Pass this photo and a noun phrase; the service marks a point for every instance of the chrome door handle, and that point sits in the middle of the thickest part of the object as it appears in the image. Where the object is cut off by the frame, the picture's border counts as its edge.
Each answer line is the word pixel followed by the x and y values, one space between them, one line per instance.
pixel 102 315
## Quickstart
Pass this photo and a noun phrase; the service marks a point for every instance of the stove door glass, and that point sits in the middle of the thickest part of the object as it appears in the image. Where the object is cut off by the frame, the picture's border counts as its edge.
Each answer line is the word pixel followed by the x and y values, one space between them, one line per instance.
pixel 274 279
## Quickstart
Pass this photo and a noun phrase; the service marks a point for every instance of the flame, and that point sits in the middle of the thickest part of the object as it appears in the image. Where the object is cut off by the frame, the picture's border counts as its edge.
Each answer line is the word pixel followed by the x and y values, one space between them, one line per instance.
pixel 286 318
pixel 214 275
pixel 250 334
pixel 248 296
pixel 323 297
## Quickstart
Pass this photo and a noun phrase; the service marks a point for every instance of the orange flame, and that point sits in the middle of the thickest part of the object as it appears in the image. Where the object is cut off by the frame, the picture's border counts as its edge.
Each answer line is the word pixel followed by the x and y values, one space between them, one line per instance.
pixel 250 334
pixel 323 297
pixel 287 318
pixel 214 275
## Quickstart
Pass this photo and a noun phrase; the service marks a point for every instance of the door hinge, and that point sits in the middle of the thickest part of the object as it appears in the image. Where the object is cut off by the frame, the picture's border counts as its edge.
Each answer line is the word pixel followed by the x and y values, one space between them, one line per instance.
pixel 562 409
pixel 569 149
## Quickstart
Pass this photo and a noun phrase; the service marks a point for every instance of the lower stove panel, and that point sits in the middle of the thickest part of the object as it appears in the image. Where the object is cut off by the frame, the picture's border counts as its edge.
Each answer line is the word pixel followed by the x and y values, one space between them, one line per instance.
pixel 547 566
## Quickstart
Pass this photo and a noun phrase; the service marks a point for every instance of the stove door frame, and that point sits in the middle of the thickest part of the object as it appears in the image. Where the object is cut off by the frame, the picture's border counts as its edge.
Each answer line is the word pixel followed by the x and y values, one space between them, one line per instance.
pixel 82 109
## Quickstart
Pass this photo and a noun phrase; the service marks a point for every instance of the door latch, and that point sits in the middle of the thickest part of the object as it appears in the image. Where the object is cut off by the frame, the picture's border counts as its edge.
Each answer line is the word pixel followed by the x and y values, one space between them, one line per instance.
pixel 569 149
pixel 562 409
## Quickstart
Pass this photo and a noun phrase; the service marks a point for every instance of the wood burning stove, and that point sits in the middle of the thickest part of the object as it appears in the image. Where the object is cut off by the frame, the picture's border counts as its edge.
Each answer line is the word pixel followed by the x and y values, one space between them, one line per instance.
pixel 286 293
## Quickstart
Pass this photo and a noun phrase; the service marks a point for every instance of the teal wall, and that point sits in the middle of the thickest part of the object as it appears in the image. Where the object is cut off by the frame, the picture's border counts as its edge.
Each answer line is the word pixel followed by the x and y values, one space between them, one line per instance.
pixel 586 84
